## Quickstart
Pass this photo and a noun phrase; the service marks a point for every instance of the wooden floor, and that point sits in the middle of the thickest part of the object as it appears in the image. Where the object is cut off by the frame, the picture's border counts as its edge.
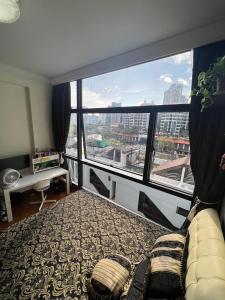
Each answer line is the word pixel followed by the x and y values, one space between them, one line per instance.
pixel 21 209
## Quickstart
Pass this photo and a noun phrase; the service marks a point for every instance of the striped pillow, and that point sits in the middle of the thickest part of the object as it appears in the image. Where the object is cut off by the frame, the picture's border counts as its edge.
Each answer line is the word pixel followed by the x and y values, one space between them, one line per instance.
pixel 109 278
pixel 165 261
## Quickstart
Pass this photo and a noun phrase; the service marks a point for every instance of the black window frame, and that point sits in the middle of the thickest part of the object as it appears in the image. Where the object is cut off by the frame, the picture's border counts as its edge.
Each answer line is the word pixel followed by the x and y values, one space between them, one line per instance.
pixel 153 110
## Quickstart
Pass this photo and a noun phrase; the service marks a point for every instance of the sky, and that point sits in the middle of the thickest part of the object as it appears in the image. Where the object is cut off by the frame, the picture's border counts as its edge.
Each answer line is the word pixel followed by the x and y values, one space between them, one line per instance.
pixel 134 85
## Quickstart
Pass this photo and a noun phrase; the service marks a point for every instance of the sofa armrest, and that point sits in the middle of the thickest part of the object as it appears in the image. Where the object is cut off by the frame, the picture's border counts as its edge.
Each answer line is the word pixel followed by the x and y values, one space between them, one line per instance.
pixel 205 277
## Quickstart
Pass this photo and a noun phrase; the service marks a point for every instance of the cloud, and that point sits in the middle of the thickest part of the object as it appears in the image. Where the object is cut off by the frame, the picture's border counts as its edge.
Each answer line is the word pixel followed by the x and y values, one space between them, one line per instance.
pixel 185 57
pixel 166 78
pixel 112 93
pixel 133 91
pixel 183 81
pixel 92 99
pixel 110 90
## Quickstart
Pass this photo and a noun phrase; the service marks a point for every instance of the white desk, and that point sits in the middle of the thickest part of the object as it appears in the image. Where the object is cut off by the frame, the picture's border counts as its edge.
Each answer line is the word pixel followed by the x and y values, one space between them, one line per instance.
pixel 29 180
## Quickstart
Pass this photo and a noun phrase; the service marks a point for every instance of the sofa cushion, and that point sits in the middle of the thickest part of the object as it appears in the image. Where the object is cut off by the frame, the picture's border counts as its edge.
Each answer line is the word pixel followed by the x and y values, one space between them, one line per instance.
pixel 205 277
pixel 222 216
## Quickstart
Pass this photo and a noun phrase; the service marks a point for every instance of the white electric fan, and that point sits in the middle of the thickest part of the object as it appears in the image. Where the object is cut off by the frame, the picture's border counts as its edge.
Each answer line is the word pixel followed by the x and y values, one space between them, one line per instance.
pixel 9 178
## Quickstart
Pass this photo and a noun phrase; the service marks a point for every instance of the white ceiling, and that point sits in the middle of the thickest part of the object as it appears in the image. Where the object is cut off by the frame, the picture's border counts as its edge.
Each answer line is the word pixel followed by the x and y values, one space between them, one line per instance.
pixel 56 36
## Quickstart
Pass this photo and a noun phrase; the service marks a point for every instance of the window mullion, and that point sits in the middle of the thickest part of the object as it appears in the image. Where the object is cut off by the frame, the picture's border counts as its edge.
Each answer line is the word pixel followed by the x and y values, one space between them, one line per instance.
pixel 83 134
pixel 79 133
pixel 149 146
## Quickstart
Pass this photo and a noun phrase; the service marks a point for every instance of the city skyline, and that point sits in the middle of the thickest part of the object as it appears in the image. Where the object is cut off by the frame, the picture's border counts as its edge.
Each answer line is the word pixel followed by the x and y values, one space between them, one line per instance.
pixel 174 124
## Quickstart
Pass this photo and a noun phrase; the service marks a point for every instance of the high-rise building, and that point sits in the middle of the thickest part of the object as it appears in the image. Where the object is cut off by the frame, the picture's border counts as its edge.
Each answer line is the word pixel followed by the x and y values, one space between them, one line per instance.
pixel 174 95
pixel 91 119
pixel 138 120
pixel 174 124
pixel 114 118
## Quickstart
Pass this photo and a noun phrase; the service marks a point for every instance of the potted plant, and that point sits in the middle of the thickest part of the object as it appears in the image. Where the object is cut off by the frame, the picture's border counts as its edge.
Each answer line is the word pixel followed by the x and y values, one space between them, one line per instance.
pixel 211 82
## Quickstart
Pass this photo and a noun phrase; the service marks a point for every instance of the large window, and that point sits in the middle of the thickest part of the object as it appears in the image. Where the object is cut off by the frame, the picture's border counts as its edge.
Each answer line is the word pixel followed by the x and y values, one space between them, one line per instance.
pixel 136 119
pixel 117 139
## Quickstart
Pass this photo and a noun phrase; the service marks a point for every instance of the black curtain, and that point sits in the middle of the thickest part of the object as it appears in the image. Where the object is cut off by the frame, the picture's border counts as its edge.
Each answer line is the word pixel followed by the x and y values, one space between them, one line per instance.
pixel 61 106
pixel 207 134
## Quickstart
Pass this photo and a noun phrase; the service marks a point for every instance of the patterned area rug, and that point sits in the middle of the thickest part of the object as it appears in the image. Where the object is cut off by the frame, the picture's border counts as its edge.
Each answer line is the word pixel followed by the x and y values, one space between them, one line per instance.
pixel 49 255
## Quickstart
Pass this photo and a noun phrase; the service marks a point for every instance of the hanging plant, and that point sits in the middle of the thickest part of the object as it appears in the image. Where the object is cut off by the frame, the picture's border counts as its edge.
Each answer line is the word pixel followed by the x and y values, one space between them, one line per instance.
pixel 210 83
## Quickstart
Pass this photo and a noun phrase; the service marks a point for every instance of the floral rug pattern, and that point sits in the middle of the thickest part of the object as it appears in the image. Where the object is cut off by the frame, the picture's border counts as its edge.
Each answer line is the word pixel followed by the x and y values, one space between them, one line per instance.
pixel 51 254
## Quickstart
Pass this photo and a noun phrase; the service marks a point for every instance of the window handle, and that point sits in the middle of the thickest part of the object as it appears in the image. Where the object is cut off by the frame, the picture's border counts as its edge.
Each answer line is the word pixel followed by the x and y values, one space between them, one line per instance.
pixel 153 152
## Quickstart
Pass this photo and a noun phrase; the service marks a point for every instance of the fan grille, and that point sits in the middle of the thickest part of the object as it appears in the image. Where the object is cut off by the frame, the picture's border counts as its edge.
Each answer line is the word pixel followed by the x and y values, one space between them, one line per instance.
pixel 10 177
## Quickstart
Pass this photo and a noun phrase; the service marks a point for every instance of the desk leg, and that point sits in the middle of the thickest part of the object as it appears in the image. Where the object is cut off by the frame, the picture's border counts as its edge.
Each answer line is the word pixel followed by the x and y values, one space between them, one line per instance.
pixel 68 183
pixel 8 205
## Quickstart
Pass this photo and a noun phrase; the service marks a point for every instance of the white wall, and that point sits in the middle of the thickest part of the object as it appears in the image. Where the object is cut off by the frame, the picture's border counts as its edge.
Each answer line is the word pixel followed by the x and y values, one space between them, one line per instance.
pixel 127 195
pixel 25 112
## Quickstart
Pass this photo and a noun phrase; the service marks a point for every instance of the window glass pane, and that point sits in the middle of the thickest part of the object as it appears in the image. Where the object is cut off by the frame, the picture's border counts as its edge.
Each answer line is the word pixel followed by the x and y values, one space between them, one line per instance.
pixel 146 84
pixel 71 145
pixel 117 139
pixel 73 87
pixel 73 169
pixel 171 163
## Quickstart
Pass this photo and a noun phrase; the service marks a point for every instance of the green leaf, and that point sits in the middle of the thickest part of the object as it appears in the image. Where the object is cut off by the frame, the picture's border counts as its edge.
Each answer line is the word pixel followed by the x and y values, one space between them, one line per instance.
pixel 206 93
pixel 201 79
pixel 218 67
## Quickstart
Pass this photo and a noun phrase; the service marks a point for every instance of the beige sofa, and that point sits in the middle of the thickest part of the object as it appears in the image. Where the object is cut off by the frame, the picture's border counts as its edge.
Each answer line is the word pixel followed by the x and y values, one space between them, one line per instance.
pixel 205 279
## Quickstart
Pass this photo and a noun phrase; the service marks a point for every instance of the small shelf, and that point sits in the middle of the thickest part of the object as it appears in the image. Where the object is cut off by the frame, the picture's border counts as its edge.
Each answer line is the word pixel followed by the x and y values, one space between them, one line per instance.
pixel 47 162
pixel 45 159
pixel 45 169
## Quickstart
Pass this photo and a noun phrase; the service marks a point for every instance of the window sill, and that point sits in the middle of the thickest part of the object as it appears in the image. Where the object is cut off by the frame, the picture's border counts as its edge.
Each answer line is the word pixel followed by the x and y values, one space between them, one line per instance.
pixel 113 169
pixel 172 184
pixel 136 178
